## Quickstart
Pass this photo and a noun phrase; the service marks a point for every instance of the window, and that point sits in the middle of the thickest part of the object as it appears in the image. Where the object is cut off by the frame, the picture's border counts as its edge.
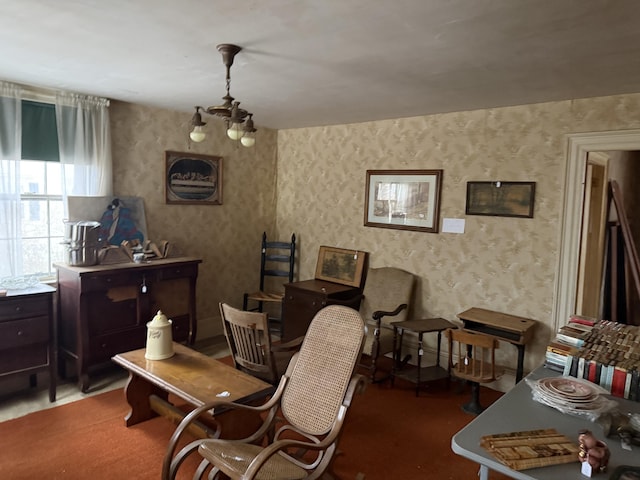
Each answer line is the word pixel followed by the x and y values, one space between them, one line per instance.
pixel 40 190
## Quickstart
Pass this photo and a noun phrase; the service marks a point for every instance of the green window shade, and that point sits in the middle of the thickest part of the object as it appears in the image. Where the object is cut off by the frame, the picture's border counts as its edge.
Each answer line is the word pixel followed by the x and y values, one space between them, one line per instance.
pixel 39 132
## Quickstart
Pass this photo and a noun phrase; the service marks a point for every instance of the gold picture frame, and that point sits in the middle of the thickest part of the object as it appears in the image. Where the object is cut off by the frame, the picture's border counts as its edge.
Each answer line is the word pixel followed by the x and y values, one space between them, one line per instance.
pixel 341 265
pixel 192 179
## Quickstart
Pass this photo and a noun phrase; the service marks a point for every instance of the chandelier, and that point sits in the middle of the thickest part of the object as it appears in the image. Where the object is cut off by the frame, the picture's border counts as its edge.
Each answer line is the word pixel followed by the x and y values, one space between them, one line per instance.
pixel 239 122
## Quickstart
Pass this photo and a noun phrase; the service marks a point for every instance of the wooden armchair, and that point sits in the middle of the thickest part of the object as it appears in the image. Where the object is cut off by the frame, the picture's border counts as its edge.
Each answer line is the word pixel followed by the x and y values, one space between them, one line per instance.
pixel 249 340
pixel 472 358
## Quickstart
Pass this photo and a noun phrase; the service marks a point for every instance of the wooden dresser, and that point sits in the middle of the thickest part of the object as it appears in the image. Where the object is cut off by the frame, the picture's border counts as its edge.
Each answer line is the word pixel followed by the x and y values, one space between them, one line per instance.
pixel 104 309
pixel 302 300
pixel 27 334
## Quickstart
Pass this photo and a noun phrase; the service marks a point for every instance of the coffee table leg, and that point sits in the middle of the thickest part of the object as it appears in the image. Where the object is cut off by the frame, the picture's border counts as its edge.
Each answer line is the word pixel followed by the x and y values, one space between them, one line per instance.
pixel 137 392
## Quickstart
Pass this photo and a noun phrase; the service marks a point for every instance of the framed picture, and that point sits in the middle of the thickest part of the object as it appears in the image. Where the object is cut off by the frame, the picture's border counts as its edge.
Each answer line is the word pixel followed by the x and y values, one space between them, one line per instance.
pixel 341 265
pixel 501 199
pixel 193 179
pixel 403 199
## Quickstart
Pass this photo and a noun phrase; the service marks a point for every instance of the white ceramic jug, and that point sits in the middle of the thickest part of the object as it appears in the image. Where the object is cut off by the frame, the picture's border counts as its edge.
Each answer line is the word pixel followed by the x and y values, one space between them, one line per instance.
pixel 159 338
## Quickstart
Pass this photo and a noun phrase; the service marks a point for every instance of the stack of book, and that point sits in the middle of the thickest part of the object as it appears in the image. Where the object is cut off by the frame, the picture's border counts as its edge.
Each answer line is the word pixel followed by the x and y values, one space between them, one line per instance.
pixel 605 353
pixel 568 341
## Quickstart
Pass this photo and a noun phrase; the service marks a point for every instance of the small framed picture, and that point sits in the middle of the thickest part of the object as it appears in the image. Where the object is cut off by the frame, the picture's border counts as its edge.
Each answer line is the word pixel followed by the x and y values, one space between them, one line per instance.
pixel 341 265
pixel 193 179
pixel 501 199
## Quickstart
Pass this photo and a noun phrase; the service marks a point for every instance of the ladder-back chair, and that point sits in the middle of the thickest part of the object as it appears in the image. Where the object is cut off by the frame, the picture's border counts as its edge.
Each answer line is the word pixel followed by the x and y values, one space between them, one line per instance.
pixel 277 261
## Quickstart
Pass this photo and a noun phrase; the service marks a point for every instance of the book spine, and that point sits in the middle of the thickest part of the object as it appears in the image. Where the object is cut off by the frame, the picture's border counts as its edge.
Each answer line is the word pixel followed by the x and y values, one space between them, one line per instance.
pixel 567 366
pixel 580 372
pixel 634 393
pixel 617 382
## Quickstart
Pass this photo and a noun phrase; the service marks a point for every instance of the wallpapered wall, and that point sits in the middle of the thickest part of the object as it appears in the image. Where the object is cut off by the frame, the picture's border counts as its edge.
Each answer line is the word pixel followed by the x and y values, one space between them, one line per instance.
pixel 503 264
pixel 226 237
pixel 311 181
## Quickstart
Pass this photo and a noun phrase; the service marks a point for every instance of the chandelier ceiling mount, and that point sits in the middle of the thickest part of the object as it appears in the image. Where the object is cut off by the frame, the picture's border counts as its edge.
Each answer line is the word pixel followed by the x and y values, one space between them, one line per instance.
pixel 239 121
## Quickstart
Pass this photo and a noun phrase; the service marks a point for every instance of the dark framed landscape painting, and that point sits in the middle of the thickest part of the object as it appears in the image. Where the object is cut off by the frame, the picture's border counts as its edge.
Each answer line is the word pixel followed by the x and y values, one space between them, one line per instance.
pixel 501 199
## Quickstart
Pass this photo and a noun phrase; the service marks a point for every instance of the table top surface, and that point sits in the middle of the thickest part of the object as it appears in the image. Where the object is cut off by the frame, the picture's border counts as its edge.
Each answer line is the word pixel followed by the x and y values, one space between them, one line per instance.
pixel 497 319
pixel 195 377
pixel 424 325
pixel 517 411
pixel 37 289
pixel 157 262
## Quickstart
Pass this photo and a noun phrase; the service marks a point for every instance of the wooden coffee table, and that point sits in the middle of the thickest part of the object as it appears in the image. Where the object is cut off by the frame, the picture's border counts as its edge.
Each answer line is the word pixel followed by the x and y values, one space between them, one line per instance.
pixel 189 375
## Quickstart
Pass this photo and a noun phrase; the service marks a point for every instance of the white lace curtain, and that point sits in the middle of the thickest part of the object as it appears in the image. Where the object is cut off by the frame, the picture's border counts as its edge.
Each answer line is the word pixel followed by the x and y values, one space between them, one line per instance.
pixel 85 153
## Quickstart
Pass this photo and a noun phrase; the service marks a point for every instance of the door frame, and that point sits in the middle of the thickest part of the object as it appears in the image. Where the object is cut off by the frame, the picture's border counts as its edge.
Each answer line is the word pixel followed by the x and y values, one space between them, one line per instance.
pixel 578 146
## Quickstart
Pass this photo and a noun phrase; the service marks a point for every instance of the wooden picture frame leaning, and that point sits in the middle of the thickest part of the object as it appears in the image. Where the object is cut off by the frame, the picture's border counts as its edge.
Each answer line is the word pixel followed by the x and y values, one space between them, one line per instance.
pixel 341 265
pixel 192 179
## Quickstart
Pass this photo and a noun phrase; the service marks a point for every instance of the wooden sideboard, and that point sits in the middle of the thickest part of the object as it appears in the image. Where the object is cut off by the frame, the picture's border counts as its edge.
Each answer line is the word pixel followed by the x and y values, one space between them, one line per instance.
pixel 302 300
pixel 104 309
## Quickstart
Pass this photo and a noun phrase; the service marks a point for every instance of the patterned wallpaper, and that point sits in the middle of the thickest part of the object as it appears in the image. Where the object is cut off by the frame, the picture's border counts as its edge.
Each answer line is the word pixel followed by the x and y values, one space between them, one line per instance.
pixel 503 264
pixel 311 181
pixel 226 237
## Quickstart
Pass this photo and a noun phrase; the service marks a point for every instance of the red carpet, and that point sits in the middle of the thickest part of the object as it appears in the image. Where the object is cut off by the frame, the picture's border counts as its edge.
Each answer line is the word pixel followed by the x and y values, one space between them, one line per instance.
pixel 389 434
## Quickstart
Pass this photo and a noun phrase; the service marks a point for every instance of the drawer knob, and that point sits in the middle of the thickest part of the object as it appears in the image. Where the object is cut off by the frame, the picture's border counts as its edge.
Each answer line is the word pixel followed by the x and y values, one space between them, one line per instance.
pixel 19 333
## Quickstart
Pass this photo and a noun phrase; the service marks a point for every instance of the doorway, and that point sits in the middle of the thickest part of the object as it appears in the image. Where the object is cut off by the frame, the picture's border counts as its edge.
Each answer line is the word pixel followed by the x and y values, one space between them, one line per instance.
pixel 579 146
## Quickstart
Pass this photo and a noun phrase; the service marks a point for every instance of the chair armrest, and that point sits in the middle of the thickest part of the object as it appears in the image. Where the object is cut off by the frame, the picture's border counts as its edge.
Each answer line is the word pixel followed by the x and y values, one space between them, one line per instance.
pixel 377 315
pixel 290 346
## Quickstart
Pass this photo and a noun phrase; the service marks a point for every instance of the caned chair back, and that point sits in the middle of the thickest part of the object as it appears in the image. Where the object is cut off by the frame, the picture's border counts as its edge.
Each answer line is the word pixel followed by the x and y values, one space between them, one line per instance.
pixel 324 368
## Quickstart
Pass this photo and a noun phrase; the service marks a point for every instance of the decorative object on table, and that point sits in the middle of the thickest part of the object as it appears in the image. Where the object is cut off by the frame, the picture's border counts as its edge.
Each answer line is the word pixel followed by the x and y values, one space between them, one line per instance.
pixel 193 179
pixel 403 199
pixel 594 454
pixel 531 448
pixel 341 265
pixel 82 248
pixel 159 338
pixel 118 225
pixel 229 111
pixel 572 396
pixel 501 199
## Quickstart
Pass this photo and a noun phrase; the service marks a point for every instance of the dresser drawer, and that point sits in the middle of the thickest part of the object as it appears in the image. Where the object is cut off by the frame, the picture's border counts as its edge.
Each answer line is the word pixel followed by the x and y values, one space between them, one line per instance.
pixel 103 347
pixel 99 283
pixel 24 359
pixel 178 271
pixel 28 331
pixel 19 308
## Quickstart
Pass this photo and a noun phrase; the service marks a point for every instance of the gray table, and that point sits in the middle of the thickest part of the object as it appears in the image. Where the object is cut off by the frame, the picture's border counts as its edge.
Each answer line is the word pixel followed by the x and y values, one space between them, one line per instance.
pixel 517 411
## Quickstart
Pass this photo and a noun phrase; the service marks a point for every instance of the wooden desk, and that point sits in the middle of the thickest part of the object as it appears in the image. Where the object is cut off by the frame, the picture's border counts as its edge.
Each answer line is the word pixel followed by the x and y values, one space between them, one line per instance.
pixel 516 411
pixel 189 375
pixel 302 300
pixel 512 329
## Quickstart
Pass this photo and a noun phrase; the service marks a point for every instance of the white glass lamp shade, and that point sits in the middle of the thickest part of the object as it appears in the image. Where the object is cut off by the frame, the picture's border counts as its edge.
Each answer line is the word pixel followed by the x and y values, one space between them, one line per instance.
pixel 197 135
pixel 248 139
pixel 234 132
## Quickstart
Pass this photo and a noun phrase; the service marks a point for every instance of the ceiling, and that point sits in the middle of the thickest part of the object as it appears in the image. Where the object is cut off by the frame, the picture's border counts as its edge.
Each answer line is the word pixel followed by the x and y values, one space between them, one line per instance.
pixel 322 62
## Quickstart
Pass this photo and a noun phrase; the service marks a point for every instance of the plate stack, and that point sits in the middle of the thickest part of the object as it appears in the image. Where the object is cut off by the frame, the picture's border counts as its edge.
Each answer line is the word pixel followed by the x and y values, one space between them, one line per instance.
pixel 570 395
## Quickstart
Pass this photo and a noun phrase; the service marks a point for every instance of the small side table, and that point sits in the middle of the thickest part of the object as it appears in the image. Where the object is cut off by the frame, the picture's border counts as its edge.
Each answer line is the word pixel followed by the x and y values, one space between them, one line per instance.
pixel 420 374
